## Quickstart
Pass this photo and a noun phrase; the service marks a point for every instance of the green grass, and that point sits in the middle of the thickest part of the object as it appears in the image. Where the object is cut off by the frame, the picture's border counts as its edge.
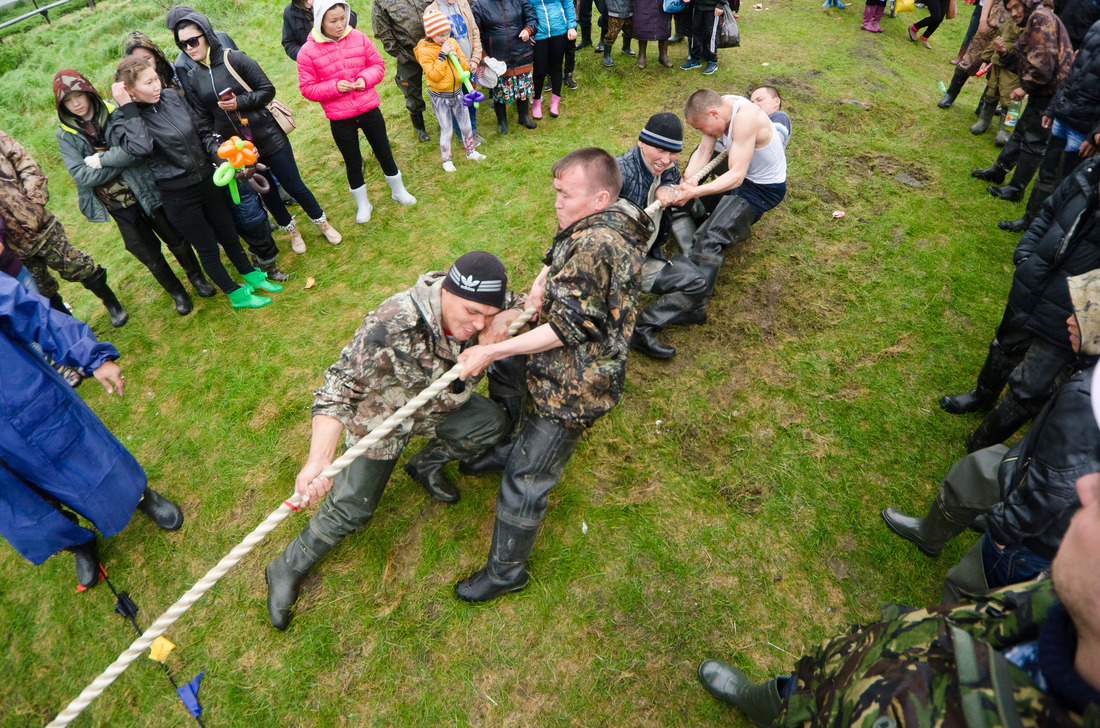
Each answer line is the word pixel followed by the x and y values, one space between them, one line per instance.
pixel 744 526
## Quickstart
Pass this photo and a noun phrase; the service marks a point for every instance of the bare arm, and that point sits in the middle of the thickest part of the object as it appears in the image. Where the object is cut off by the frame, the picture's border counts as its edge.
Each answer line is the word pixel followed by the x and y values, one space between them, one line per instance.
pixel 476 358
pixel 701 156
pixel 744 144
pixel 322 451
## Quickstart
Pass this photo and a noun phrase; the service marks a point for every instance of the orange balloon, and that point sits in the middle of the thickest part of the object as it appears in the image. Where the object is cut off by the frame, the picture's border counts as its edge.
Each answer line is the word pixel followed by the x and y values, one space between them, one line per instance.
pixel 238 153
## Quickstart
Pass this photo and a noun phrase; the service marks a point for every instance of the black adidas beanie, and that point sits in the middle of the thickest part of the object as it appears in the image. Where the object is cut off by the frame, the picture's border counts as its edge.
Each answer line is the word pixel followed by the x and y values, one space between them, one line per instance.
pixel 478 276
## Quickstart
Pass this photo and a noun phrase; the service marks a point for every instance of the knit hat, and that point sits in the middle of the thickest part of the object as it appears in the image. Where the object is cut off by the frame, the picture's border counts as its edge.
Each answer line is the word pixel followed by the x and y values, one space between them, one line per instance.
pixel 478 277
pixel 664 131
pixel 435 23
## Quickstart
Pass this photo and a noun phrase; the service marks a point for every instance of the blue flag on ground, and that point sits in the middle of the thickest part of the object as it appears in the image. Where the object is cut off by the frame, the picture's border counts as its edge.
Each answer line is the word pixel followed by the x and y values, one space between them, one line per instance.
pixel 189 694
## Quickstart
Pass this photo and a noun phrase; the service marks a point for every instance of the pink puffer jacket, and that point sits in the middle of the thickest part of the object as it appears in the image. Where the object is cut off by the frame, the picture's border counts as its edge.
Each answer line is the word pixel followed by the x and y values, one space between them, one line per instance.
pixel 323 61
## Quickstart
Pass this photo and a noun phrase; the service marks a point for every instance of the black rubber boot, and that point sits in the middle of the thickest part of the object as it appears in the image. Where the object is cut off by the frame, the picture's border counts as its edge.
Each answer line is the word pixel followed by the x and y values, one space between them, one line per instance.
pixel 521 111
pixel 1018 225
pixel 995 174
pixel 607 60
pixel 506 570
pixel 586 37
pixel 928 534
pixel 57 303
pixel 185 254
pixel 643 340
pixel 418 124
pixel 426 468
pixel 87 563
pixel 502 117
pixel 683 229
pixel 168 281
pixel 991 380
pixel 759 703
pixel 495 458
pixel 985 117
pixel 626 46
pixel 285 573
pixel 160 510
pixel 1021 178
pixel 97 284
pixel 1001 422
pixel 958 79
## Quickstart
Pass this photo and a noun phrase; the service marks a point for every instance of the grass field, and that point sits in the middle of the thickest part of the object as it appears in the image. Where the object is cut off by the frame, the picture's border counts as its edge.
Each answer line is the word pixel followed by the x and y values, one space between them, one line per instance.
pixel 730 502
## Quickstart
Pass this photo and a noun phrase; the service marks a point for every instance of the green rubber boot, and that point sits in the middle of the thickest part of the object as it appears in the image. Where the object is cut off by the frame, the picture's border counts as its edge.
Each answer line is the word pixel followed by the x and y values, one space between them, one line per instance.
pixel 243 298
pixel 258 280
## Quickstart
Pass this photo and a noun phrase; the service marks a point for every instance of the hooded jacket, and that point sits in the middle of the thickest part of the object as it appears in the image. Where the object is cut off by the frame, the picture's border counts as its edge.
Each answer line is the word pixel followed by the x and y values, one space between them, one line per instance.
pixel 184 65
pixel 1064 240
pixel 555 17
pixel 500 23
pixel 1043 53
pixel 75 145
pixel 206 80
pixel 166 71
pixel 23 198
pixel 324 61
pixel 1077 103
pixel 297 23
pixel 591 303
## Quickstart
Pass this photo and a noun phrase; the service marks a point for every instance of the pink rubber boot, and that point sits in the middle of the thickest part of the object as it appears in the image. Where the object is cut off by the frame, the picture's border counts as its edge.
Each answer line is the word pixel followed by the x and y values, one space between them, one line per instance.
pixel 536 108
pixel 554 101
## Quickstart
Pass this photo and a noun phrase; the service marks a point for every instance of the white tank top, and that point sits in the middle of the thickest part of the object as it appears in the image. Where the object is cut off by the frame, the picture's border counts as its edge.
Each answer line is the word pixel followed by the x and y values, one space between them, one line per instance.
pixel 769 162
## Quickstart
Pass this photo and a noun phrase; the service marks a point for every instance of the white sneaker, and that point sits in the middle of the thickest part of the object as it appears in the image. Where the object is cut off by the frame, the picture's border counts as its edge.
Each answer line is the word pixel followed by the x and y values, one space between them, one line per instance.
pixel 448 166
pixel 475 156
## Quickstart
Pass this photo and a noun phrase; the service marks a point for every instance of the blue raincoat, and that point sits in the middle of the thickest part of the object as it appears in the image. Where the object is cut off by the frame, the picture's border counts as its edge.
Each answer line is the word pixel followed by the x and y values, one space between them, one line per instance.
pixel 50 442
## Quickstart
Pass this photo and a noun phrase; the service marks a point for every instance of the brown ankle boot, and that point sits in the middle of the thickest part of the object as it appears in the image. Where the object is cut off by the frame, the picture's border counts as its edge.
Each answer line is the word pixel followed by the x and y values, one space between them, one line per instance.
pixel 641 53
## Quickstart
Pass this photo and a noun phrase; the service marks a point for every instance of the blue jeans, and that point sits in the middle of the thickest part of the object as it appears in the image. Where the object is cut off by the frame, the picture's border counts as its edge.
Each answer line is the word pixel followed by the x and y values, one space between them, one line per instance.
pixel 282 163
pixel 1011 565
pixel 24 277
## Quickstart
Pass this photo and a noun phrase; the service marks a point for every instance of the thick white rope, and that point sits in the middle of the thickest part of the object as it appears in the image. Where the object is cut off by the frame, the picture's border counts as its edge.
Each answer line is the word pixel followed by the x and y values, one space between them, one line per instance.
pixel 653 209
pixel 166 620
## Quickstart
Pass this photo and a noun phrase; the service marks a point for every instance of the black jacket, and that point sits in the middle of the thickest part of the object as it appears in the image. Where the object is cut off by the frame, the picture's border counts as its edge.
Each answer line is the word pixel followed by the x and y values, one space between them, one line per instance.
pixel 1063 241
pixel 1078 16
pixel 1078 102
pixel 297 24
pixel 500 23
pixel 1038 476
pixel 204 83
pixel 166 135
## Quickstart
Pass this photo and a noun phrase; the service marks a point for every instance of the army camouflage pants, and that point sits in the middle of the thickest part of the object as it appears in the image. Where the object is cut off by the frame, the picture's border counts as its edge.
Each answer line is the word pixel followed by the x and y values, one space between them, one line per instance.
pixel 58 253
pixel 356 491
pixel 409 78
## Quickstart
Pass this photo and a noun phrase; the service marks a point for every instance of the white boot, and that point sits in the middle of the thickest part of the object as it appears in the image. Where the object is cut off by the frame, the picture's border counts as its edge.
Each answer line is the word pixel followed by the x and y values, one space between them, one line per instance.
pixel 362 215
pixel 398 191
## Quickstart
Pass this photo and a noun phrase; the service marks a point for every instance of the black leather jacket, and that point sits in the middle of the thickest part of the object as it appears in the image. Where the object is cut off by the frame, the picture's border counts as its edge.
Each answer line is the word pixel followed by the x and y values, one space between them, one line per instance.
pixel 204 83
pixel 166 135
pixel 1038 476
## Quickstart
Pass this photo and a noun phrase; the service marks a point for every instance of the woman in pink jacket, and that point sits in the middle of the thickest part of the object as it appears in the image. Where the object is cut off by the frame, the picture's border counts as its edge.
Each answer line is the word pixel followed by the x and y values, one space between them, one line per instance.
pixel 339 68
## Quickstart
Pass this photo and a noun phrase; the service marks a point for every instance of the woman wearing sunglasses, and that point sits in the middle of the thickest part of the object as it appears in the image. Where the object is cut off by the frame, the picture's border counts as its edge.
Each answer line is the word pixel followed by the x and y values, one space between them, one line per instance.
pixel 230 93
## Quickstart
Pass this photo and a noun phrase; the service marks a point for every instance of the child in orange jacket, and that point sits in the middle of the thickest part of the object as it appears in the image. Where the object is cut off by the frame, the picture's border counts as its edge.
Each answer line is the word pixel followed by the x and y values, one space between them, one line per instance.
pixel 445 85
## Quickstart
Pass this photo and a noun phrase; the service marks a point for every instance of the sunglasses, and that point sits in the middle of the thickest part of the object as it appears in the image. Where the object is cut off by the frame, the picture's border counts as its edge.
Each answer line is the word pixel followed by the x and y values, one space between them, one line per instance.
pixel 190 42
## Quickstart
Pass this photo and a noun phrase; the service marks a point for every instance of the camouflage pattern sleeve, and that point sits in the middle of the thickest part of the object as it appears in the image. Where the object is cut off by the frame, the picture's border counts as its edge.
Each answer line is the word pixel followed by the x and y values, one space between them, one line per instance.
pixel 576 296
pixel 367 358
pixel 30 175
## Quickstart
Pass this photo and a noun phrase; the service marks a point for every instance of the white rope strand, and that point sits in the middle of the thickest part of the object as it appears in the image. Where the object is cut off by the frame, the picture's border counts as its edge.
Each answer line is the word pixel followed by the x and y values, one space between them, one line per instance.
pixel 653 209
pixel 177 610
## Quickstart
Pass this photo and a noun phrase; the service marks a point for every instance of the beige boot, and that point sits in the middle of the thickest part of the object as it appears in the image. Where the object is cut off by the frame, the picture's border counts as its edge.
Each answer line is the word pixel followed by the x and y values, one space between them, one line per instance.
pixel 297 244
pixel 327 230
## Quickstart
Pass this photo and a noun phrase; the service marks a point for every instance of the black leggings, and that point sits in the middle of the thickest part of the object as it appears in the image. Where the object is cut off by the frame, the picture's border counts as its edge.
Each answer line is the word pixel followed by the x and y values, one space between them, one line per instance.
pixel 140 232
pixel 202 215
pixel 936 10
pixel 345 132
pixel 549 56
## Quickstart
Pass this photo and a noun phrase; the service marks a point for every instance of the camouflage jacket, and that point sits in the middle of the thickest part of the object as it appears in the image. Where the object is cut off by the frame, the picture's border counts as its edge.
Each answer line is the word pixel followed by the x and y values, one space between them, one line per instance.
pixel 933 668
pixel 399 24
pixel 590 302
pixel 1042 55
pixel 23 195
pixel 397 351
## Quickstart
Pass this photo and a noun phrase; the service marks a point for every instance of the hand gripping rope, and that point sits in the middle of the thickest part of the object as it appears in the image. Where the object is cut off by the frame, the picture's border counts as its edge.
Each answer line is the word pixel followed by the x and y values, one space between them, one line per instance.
pixel 177 610
pixel 655 208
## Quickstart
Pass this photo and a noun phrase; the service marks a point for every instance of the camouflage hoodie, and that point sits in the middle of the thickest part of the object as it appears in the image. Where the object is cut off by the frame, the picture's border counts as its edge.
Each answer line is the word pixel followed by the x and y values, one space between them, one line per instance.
pixel 591 302
pixel 397 351
pixel 1043 54
pixel 23 195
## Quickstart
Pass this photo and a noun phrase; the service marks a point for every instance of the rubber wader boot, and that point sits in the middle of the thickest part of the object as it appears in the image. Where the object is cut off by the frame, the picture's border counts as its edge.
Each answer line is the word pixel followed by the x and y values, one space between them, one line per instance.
pixel 928 534
pixel 521 113
pixel 97 284
pixel 160 510
pixel 586 37
pixel 87 563
pixel 759 703
pixel 1021 178
pixel 1003 135
pixel 495 458
pixel 1001 422
pixel 506 569
pixel 185 254
pixel 985 117
pixel 285 573
pixel 958 79
pixel 418 124
pixel 502 117
pixel 641 53
pixel 662 54
pixel 1040 191
pixel 991 380
pixel 57 303
pixel 426 468
pixel 683 229
pixel 168 281
pixel 643 338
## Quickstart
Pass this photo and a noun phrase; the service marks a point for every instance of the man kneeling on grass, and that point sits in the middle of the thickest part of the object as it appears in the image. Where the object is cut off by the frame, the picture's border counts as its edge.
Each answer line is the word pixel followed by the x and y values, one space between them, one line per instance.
pixel 411 339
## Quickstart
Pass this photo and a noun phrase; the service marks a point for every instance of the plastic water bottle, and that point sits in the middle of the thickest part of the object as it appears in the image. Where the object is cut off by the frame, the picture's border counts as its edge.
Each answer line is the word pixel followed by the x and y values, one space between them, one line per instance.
pixel 1012 115
pixel 943 87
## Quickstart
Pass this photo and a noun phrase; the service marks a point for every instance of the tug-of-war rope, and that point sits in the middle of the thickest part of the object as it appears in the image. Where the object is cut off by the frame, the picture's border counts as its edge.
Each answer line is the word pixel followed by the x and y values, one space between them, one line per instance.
pixel 177 610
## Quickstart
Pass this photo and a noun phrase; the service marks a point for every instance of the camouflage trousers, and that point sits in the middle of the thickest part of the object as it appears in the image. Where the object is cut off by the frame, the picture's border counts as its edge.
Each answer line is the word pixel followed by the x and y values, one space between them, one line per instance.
pixel 409 78
pixel 1000 85
pixel 58 253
